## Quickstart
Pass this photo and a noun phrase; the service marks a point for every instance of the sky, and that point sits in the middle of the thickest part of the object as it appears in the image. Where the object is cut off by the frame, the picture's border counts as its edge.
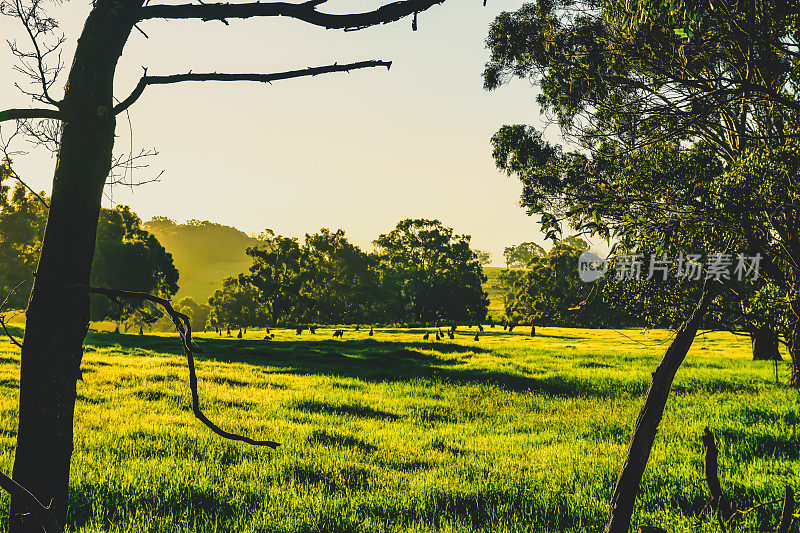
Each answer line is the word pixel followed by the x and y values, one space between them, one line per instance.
pixel 357 151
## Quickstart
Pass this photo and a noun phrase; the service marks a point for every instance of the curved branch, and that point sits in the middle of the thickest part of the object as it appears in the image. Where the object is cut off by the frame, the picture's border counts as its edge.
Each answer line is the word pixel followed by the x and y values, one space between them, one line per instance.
pixel 184 328
pixel 8 333
pixel 21 114
pixel 41 513
pixel 146 80
pixel 307 12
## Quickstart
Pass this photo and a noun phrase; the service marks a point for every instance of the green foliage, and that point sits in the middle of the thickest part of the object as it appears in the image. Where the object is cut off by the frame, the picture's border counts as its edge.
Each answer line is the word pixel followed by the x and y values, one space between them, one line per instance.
pixel 523 254
pixel 640 72
pixel 235 305
pixel 550 292
pixel 277 275
pixel 422 273
pixel 126 256
pixel 431 274
pixel 198 313
pixel 341 282
pixel 484 257
pixel 22 222
pixel 666 165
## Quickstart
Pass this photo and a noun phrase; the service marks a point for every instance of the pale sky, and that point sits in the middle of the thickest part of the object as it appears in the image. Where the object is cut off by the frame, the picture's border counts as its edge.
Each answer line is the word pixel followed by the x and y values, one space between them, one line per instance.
pixel 357 151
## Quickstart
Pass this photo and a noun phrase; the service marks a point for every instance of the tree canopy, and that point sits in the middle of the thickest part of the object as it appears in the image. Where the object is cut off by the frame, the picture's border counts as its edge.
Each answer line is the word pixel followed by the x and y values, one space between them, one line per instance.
pixel 431 273
pixel 686 119
pixel 126 256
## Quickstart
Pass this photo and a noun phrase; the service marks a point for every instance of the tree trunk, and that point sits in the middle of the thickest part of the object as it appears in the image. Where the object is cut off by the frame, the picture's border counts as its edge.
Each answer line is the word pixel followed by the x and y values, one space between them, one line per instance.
pixel 794 342
pixel 765 344
pixel 630 476
pixel 58 311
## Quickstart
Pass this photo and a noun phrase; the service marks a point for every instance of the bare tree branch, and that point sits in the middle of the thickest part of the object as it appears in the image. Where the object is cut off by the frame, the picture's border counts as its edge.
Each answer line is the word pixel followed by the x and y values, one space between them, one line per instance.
pixel 8 333
pixel 19 114
pixel 33 63
pixel 146 80
pixel 35 194
pixel 306 11
pixel 184 328
pixel 40 512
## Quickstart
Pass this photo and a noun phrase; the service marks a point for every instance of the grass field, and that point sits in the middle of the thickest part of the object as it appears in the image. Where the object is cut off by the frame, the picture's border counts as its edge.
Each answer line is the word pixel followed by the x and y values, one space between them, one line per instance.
pixel 507 434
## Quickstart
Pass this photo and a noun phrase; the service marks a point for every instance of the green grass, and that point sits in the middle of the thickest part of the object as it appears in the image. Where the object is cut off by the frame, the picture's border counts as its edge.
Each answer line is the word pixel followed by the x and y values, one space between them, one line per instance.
pixel 392 433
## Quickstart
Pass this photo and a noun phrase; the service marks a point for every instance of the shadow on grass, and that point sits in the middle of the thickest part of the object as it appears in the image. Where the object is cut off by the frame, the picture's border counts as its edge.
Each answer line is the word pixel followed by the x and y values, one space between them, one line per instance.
pixel 745 445
pixel 371 360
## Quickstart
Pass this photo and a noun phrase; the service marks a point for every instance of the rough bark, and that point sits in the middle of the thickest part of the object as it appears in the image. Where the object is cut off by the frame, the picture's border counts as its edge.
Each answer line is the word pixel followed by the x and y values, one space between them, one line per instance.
pixel 58 311
pixel 788 510
pixel 711 471
pixel 794 343
pixel 630 477
pixel 765 344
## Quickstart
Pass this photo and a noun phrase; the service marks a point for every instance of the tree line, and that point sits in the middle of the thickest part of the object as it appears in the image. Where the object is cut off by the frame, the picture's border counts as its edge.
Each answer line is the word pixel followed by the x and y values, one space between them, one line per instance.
pixel 421 272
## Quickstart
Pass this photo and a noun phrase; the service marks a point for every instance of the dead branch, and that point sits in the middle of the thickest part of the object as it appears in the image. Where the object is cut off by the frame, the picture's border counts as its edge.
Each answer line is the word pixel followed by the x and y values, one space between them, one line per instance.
pixel 184 328
pixel 20 114
pixel 39 511
pixel 33 63
pixel 306 11
pixel 146 80
pixel 8 333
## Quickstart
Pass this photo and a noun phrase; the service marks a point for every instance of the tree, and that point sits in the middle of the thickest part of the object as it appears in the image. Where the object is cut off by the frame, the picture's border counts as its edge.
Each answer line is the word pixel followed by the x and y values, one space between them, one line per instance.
pixel 126 256
pixel 432 274
pixel 129 258
pixel 58 312
pixel 719 83
pixel 198 313
pixel 484 257
pixel 277 274
pixel 523 254
pixel 235 305
pixel 340 280
pixel 687 113
pixel 22 220
pixel 549 292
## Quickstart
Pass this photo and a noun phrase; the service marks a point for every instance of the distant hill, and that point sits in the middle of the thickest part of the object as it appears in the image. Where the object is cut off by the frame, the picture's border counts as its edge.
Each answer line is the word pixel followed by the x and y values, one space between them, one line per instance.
pixel 204 253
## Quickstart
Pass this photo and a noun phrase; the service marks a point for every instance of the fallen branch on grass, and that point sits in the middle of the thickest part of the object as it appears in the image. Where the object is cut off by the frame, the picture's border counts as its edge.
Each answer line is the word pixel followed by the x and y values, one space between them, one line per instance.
pixel 184 329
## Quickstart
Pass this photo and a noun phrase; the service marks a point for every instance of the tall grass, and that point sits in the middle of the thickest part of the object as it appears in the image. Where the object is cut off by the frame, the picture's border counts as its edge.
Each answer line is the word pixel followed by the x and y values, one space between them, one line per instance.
pixel 392 433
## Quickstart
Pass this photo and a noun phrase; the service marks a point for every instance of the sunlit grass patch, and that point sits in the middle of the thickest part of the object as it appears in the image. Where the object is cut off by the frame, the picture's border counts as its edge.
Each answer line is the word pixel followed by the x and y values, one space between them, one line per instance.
pixel 393 433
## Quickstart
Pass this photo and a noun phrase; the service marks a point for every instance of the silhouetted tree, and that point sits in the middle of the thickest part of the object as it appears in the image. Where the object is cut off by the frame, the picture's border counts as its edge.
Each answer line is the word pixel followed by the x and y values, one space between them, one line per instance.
pixel 235 305
pixel 431 273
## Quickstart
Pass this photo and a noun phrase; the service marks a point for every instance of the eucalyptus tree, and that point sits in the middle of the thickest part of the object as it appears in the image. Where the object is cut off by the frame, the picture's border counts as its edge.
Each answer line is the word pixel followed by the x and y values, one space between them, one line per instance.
pixel 431 273
pixel 687 118
pixel 85 117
